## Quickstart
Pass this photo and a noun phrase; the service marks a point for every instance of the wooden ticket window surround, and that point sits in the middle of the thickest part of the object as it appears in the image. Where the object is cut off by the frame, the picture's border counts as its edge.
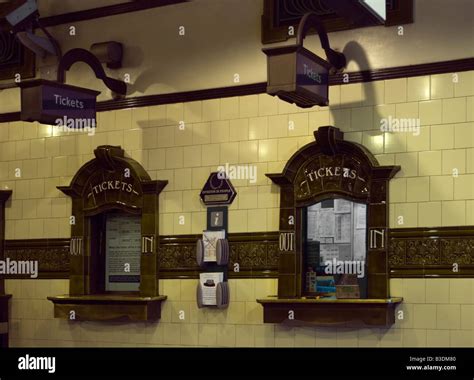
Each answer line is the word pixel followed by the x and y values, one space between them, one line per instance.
pixel 359 179
pixel 4 298
pixel 107 185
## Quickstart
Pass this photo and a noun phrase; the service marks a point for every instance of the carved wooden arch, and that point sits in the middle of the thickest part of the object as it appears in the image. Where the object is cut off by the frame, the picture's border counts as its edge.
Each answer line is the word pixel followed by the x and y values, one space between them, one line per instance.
pixel 112 181
pixel 347 170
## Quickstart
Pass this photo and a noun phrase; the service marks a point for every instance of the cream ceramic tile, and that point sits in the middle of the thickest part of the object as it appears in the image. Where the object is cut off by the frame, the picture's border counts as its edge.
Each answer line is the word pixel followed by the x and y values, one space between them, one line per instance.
pixel 464 135
pixel 464 186
pixel 396 90
pixel 391 337
pixel 140 117
pixel 198 220
pixel 414 338
pixel 189 334
pixel 267 105
pixel 249 106
pixel 244 336
pixel 441 188
pixel 351 95
pixel 211 110
pixel 191 156
pixel 464 86
pixel 454 213
pixel 219 131
pixel 469 213
pixel 406 215
pixel 442 86
pixel 373 93
pixel 16 130
pixel 284 336
pixel 368 337
pixel 165 136
pixel 264 336
pixel 408 163
pixel 298 124
pixel 398 190
pixel 317 119
pixel 454 110
pixel 258 128
pixel 325 337
pixel 122 120
pixel 257 220
pixel 248 197
pixel 448 317
pixel 459 338
pixel 340 118
pixel 429 163
pixel 226 336
pixel 395 142
pixel 172 201
pixel 114 138
pixel 268 196
pixel 424 316
pixel 470 109
pixel 335 96
pixel 418 189
pixel 461 291
pixel 346 337
pixel 437 338
pixel 470 160
pixel 239 130
pixel 467 317
pixel 182 179
pixel 193 112
pixel 407 110
pixel 268 150
pixel 442 137
pixel 382 113
pixel 285 107
pixel 248 151
pixel 22 150
pixel 36 188
pixel 278 126
pixel 419 141
pixel 60 166
pixel 305 337
pixel 174 114
pixel 174 158
pixel 429 214
pixel 210 155
pixel 200 176
pixel 182 223
pixel 418 88
pixel 229 108
pixel 286 148
pixel 374 141
pixel 430 112
pixel 229 153
pixel 238 221
pixel 362 118
pixel 156 159
pixel 354 137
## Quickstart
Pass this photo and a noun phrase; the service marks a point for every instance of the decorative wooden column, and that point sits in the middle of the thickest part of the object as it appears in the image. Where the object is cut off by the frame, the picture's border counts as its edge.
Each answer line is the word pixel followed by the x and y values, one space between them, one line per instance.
pixel 111 182
pixel 4 298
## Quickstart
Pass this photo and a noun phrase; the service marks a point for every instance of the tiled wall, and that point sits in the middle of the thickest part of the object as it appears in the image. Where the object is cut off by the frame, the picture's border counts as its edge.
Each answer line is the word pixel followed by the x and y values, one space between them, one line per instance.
pixel 259 130
pixel 436 313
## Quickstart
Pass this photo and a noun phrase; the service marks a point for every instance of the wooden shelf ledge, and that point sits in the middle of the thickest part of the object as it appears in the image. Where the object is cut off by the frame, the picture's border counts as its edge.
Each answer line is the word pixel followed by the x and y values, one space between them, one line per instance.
pixel 107 307
pixel 330 311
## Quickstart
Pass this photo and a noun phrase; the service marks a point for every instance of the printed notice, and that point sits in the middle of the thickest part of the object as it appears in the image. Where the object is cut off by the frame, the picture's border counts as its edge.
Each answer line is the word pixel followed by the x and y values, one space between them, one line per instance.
pixel 208 283
pixel 328 252
pixel 342 206
pixel 343 228
pixel 210 239
pixel 360 215
pixel 326 222
pixel 123 247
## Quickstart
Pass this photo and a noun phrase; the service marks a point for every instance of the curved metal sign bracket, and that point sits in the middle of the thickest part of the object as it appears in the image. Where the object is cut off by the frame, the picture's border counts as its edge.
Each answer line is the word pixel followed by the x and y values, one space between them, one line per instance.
pixel 82 55
pixel 311 20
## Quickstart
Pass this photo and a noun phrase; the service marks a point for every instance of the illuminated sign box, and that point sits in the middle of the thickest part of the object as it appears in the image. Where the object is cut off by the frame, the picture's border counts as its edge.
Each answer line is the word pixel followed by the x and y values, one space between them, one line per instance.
pixel 297 75
pixel 58 104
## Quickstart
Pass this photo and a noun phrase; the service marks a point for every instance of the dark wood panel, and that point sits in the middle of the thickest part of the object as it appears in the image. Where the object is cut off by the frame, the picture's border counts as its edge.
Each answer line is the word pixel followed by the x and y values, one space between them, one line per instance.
pixel 279 15
pixel 260 88
pixel 413 252
pixel 111 10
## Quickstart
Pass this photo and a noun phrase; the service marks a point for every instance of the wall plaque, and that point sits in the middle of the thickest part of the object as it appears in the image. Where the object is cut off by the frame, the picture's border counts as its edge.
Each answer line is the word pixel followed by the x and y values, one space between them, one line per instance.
pixel 218 190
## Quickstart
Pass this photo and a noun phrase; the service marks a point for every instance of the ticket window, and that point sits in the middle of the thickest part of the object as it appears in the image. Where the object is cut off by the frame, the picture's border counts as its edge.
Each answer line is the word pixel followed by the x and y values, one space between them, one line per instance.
pixel 116 237
pixel 335 244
